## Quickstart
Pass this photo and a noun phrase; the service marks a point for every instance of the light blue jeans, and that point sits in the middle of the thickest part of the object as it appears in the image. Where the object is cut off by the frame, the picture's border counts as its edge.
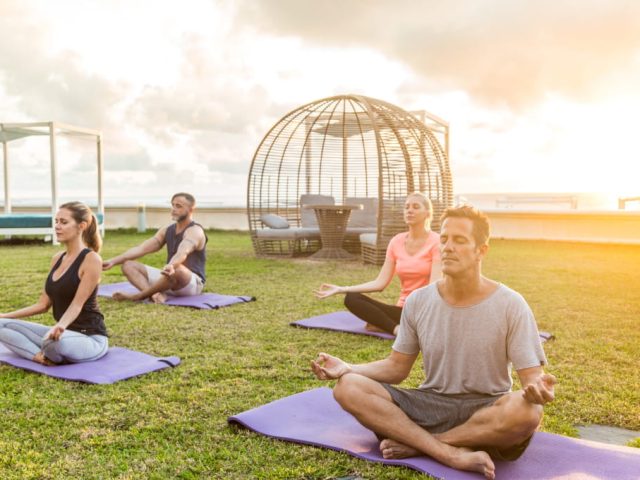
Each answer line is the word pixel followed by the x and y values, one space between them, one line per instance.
pixel 27 338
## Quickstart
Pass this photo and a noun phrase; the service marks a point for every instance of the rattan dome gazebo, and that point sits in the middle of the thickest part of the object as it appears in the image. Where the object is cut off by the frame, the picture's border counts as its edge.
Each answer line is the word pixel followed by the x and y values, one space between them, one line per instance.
pixel 348 149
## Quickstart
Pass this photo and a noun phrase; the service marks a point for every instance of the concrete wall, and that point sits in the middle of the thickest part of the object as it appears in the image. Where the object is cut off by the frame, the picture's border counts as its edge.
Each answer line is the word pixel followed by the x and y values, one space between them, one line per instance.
pixel 152 218
pixel 566 225
pixel 223 218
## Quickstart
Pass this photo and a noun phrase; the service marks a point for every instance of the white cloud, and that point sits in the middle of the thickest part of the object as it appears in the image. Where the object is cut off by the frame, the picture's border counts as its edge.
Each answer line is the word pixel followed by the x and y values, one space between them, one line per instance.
pixel 184 95
pixel 500 52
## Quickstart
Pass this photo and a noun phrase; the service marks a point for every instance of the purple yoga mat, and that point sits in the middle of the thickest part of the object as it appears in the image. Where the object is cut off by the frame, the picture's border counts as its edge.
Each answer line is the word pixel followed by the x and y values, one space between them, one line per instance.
pixel 344 321
pixel 341 322
pixel 117 364
pixel 204 301
pixel 315 418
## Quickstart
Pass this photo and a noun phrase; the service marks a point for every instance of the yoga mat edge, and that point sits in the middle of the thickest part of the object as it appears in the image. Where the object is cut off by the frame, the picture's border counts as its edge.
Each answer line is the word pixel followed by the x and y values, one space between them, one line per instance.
pixel 119 364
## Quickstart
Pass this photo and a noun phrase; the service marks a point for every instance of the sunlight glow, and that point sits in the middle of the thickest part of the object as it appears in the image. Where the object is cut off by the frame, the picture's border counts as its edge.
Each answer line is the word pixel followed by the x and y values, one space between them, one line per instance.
pixel 200 83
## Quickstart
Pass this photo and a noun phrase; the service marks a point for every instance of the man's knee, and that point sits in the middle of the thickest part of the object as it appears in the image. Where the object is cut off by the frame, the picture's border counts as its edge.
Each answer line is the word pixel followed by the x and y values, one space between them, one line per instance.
pixel 349 389
pixel 181 278
pixel 353 390
pixel 129 267
pixel 519 417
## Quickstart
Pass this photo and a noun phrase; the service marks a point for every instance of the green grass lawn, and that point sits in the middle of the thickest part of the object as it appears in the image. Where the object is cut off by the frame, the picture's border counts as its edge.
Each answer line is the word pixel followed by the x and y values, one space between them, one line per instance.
pixel 172 424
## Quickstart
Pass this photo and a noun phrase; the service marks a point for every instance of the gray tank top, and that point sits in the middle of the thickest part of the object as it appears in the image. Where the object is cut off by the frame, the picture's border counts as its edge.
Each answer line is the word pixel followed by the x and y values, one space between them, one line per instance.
pixel 196 259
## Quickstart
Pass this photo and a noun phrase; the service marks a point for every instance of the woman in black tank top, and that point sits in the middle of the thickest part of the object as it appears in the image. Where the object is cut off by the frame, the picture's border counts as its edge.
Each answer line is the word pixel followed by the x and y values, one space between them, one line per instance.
pixel 79 334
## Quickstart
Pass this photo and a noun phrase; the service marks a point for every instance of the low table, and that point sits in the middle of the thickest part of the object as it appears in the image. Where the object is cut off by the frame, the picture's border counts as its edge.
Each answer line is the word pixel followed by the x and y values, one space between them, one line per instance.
pixel 332 221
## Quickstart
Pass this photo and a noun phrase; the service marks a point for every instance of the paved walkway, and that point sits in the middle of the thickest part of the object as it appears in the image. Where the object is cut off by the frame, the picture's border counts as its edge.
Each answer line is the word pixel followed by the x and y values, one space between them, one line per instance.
pixel 605 434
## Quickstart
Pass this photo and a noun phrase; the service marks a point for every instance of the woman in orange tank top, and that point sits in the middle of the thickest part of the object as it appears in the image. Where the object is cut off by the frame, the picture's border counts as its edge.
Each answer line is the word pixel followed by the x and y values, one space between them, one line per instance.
pixel 413 255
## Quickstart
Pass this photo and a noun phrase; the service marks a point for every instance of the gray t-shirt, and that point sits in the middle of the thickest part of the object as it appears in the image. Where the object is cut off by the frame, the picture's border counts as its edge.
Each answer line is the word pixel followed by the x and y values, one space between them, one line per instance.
pixel 470 349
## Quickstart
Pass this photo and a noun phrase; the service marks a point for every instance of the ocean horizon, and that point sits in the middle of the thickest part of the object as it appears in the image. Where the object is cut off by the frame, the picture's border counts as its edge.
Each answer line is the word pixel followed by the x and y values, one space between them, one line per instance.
pixel 488 201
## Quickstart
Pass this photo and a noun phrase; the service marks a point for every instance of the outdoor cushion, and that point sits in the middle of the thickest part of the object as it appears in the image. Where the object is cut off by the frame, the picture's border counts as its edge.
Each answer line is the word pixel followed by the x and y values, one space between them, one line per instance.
pixel 25 220
pixel 29 220
pixel 272 220
pixel 367 217
pixel 308 215
pixel 293 233
pixel 361 230
pixel 369 239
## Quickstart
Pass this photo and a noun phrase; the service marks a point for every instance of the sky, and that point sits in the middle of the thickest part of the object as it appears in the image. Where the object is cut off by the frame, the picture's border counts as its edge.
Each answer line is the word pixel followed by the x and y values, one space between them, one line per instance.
pixel 540 95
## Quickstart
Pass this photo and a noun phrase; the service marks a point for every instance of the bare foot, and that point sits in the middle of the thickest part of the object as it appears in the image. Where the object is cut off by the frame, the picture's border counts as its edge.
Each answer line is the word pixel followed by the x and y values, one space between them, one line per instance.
pixel 373 328
pixel 392 449
pixel 460 458
pixel 42 360
pixel 120 296
pixel 478 461
pixel 158 297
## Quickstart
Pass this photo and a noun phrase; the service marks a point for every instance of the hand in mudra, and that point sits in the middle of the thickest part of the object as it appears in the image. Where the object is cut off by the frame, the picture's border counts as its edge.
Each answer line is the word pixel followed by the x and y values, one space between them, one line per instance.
pixel 327 367
pixel 327 290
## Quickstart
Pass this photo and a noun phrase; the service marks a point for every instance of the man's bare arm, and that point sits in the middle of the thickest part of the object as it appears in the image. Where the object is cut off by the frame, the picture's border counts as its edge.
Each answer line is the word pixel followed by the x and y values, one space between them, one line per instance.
pixel 150 245
pixel 393 369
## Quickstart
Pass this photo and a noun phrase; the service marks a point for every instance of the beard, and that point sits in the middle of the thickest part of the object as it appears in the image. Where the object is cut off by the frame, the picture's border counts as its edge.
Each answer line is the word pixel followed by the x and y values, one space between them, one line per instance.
pixel 181 218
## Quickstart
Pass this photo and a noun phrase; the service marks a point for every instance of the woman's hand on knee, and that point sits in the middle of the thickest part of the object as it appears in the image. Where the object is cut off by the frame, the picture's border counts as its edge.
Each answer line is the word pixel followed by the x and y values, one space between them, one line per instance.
pixel 55 333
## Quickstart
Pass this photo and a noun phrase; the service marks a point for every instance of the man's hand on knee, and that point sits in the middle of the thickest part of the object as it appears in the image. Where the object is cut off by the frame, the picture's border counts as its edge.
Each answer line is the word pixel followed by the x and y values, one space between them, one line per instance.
pixel 168 270
pixel 541 390
pixel 327 367
pixel 107 265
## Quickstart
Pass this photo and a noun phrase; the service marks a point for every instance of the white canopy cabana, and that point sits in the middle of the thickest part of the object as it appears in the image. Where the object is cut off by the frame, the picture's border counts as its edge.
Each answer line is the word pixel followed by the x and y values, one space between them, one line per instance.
pixel 15 131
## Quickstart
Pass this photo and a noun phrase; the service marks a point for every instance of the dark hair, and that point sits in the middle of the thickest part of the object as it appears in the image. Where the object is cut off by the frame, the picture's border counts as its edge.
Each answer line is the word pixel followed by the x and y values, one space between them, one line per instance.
pixel 190 198
pixel 481 228
pixel 82 213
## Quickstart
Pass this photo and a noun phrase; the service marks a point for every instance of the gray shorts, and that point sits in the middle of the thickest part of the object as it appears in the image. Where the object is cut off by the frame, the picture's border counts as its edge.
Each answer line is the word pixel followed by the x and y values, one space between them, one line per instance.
pixel 438 413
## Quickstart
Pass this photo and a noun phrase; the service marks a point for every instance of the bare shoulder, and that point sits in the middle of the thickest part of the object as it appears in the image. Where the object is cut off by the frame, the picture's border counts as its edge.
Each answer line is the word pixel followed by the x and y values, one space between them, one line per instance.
pixel 196 227
pixel 195 231
pixel 93 259
pixel 94 256
pixel 56 257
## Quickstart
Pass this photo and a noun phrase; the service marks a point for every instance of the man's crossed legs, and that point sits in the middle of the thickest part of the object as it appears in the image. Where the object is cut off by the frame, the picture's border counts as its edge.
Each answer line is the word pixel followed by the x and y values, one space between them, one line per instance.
pixel 504 425
pixel 153 283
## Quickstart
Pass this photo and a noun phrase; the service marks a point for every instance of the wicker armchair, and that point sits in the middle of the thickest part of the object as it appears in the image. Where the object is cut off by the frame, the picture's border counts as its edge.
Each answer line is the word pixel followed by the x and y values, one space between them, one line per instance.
pixel 355 150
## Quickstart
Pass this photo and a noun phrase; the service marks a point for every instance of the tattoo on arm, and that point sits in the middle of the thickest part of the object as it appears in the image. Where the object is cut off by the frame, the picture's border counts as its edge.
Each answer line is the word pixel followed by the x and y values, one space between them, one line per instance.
pixel 187 245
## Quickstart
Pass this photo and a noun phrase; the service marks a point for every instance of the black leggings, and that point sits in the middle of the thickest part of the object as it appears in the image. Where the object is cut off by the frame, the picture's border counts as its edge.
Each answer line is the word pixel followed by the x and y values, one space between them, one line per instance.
pixel 383 316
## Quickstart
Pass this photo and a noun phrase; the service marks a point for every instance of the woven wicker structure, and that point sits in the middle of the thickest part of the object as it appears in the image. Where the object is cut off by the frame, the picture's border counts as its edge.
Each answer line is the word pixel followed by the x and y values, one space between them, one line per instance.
pixel 348 149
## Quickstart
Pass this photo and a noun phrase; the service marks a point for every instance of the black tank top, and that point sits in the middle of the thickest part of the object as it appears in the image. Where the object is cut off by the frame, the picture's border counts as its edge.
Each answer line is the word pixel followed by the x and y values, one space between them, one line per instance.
pixel 90 321
pixel 196 259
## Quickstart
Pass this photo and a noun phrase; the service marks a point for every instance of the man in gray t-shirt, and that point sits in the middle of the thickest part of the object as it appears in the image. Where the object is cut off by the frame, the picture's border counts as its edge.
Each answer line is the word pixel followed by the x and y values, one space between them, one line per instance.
pixel 470 331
